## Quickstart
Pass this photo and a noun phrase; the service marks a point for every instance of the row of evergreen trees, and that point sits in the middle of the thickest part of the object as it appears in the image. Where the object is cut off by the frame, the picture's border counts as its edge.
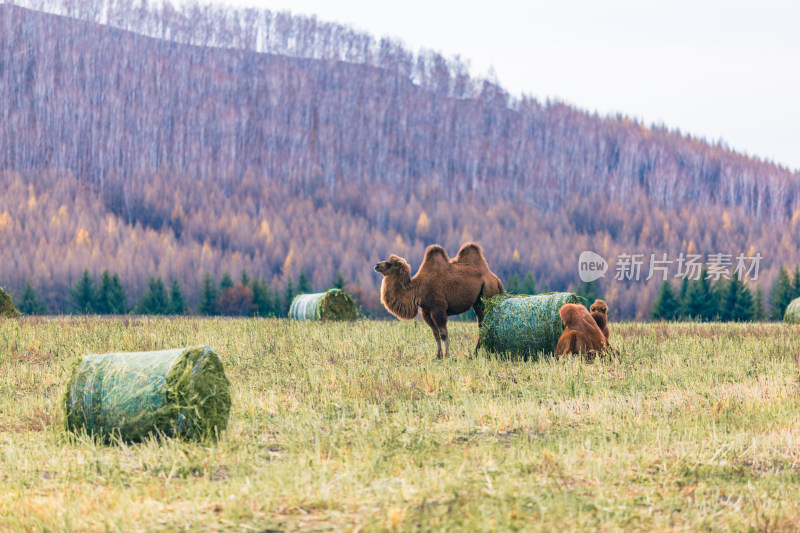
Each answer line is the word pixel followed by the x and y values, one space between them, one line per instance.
pixel 725 300
pixel 516 285
pixel 248 297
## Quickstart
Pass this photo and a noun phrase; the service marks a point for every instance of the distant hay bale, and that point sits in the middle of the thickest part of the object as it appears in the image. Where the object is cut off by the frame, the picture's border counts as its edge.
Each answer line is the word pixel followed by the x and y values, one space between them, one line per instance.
pixel 524 325
pixel 792 315
pixel 335 304
pixel 175 393
pixel 7 309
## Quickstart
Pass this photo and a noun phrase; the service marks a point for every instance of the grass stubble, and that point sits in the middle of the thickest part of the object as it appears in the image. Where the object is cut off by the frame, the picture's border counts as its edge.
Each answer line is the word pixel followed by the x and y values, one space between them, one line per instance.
pixel 354 426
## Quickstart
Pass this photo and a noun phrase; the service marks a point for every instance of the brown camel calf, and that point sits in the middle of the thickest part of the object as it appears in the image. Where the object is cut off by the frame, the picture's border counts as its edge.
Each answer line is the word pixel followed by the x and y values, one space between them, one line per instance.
pixel 582 335
pixel 441 287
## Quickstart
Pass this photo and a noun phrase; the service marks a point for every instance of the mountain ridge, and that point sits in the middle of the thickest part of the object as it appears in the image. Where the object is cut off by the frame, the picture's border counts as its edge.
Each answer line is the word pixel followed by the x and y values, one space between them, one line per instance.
pixel 151 129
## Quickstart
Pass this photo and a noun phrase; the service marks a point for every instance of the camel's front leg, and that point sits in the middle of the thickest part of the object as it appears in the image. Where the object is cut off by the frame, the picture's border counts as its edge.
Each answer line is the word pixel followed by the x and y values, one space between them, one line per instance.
pixel 426 316
pixel 439 317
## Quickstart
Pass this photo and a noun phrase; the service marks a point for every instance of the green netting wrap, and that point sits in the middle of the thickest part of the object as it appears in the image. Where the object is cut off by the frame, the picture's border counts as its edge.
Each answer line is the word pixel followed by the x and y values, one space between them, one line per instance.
pixel 335 304
pixel 792 315
pixel 523 324
pixel 7 309
pixel 176 393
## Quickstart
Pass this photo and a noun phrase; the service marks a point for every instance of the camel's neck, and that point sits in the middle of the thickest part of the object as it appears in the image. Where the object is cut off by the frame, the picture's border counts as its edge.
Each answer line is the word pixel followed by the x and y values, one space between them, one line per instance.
pixel 397 294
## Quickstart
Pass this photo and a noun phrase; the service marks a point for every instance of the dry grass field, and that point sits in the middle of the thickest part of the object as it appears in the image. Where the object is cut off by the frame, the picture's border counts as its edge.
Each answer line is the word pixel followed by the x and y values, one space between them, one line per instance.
pixel 356 427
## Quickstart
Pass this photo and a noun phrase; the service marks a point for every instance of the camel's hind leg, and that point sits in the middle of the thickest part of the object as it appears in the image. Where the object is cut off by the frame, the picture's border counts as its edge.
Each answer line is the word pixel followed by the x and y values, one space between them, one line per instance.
pixel 479 308
pixel 566 343
pixel 439 317
pixel 426 316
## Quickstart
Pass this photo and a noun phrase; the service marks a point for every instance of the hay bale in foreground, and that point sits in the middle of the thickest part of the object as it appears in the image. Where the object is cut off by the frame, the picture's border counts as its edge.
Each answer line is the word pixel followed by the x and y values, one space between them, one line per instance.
pixel 7 309
pixel 792 315
pixel 176 393
pixel 334 304
pixel 522 324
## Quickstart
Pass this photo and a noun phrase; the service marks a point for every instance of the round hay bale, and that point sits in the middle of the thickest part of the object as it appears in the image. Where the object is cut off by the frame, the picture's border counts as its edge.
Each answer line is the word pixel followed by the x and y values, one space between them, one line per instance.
pixel 524 325
pixel 176 393
pixel 334 304
pixel 792 315
pixel 7 309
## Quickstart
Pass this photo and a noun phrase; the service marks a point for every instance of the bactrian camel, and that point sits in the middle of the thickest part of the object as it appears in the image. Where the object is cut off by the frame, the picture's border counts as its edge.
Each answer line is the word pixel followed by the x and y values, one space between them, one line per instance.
pixel 441 287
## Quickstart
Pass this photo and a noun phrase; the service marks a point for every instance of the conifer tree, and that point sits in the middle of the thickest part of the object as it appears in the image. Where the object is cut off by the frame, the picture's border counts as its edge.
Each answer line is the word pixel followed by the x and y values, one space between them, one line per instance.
pixel 711 307
pixel 29 301
pixel 101 306
pixel 744 310
pixel 513 284
pixel 208 296
pixel 694 301
pixel 735 301
pixel 338 281
pixel 116 297
pixel 289 296
pixel 244 279
pixel 155 300
pixel 277 304
pixel 759 313
pixel 796 282
pixel 666 305
pixel 226 282
pixel 781 294
pixel 111 297
pixel 83 295
pixel 701 299
pixel 728 295
pixel 303 284
pixel 683 311
pixel 262 298
pixel 529 284
pixel 177 303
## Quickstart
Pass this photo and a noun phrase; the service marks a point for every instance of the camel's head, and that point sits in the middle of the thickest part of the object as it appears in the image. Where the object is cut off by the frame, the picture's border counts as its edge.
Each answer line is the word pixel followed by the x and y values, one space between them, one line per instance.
pixel 600 306
pixel 393 266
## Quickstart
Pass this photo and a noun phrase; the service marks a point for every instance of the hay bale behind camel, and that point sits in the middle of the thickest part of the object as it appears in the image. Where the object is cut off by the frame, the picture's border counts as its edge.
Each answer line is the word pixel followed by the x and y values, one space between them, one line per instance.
pixel 176 393
pixel 792 315
pixel 522 324
pixel 7 309
pixel 334 304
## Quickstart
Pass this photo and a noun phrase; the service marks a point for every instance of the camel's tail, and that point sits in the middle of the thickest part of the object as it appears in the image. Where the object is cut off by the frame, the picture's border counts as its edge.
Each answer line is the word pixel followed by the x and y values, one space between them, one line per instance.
pixel 575 316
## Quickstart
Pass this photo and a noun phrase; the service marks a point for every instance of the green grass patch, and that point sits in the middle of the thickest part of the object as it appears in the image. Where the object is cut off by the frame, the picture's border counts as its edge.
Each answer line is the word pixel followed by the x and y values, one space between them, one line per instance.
pixel 336 426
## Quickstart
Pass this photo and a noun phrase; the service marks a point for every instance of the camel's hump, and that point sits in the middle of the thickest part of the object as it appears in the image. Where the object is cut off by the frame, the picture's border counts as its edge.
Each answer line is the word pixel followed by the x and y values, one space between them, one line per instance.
pixel 435 256
pixel 471 254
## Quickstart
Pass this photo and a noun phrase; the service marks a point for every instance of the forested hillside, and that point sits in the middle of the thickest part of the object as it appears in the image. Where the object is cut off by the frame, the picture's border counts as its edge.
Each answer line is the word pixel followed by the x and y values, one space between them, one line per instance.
pixel 157 141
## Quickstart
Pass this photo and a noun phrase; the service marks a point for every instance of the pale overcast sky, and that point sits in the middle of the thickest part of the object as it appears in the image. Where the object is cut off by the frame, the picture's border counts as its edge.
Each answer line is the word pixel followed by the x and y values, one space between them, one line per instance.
pixel 725 70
